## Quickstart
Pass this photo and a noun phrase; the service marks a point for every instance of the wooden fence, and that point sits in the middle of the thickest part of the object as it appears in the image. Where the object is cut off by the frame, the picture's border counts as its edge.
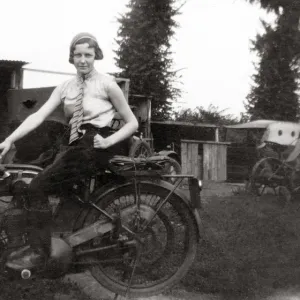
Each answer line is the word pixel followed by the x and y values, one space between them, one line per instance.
pixel 204 159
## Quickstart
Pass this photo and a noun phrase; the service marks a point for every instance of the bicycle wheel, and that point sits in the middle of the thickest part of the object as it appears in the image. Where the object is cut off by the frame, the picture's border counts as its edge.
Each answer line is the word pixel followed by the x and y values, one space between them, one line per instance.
pixel 169 241
pixel 268 172
pixel 171 167
pixel 140 148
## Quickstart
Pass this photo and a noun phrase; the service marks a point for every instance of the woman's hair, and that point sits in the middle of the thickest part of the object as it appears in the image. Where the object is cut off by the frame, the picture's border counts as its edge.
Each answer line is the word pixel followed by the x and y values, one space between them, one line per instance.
pixel 92 44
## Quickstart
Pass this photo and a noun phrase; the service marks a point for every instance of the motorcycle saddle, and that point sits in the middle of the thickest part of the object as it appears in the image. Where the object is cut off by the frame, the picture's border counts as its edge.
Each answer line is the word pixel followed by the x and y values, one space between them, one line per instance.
pixel 128 166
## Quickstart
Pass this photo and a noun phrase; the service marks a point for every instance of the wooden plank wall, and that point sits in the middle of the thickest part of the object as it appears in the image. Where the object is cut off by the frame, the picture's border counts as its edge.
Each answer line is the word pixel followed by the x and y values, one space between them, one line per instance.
pixel 214 162
pixel 211 166
pixel 189 158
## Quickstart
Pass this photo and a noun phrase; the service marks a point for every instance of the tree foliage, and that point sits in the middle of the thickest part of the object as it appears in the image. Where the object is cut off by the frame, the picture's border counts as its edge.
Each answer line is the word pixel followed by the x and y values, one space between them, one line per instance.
pixel 275 91
pixel 144 52
pixel 275 5
pixel 212 115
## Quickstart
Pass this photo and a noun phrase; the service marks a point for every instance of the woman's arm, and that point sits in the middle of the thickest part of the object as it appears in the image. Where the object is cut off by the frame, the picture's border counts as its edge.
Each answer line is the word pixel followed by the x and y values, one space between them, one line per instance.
pixel 32 121
pixel 131 124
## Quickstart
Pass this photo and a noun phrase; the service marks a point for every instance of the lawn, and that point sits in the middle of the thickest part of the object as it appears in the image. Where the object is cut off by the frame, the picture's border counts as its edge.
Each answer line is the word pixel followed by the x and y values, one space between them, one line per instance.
pixel 41 289
pixel 250 248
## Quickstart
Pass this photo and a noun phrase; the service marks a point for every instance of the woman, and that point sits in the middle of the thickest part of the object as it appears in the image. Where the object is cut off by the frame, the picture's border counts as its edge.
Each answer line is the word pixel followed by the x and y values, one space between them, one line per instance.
pixel 90 101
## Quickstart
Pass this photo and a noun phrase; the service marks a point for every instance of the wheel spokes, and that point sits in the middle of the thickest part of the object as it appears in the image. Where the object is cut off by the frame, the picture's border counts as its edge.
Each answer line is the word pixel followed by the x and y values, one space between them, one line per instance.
pixel 267 173
pixel 164 246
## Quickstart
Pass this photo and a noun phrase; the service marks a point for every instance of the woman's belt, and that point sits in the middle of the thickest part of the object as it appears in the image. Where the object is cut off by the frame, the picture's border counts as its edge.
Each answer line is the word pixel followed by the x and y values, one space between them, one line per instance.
pixel 101 130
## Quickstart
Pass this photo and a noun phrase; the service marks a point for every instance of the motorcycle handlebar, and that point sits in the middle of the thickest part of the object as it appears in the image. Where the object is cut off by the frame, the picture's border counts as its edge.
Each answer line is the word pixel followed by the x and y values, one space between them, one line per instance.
pixel 3 172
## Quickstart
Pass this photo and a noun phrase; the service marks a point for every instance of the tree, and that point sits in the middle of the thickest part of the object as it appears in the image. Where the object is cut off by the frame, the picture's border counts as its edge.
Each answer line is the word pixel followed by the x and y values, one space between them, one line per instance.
pixel 274 5
pixel 212 115
pixel 144 52
pixel 274 95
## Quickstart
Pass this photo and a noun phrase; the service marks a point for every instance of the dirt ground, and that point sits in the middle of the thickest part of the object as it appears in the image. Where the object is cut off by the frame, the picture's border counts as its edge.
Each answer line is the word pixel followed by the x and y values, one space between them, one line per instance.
pixel 220 189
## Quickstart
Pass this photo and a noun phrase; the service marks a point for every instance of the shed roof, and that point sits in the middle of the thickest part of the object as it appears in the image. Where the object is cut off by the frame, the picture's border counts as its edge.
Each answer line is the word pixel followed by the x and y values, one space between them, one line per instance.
pixel 182 123
pixel 12 63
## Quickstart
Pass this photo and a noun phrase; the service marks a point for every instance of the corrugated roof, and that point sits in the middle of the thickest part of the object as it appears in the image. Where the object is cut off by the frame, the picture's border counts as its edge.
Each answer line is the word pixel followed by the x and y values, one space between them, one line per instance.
pixel 10 63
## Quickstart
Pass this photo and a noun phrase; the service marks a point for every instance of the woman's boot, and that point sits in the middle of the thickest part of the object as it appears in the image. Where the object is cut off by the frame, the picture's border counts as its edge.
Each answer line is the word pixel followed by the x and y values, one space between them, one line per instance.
pixel 39 239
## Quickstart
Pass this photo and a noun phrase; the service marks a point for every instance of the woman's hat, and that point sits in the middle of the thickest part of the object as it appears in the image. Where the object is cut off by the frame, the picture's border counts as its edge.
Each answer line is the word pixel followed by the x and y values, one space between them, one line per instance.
pixel 85 35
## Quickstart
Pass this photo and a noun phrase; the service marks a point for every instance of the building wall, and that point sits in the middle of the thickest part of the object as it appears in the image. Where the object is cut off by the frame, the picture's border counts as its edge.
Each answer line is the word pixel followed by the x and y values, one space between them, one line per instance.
pixel 165 135
pixel 5 84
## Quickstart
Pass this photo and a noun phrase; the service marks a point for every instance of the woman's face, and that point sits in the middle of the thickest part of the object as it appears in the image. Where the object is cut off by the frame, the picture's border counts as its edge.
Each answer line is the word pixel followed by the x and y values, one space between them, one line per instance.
pixel 84 58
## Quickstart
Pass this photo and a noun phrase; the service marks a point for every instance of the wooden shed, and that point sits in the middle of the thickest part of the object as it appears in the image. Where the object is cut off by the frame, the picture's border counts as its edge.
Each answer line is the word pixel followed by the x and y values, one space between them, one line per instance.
pixel 201 152
pixel 11 77
pixel 167 133
pixel 204 159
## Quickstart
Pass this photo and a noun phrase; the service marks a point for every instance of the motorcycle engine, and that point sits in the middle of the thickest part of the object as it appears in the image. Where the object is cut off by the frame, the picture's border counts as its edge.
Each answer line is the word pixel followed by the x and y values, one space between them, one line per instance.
pixel 14 217
pixel 18 187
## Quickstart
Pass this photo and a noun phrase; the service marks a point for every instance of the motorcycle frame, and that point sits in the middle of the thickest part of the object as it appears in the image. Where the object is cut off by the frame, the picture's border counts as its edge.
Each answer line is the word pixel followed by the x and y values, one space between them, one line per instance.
pixel 99 228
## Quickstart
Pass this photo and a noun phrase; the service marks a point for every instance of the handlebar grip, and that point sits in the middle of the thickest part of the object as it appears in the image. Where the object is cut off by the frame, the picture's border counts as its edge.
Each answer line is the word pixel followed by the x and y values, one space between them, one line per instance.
pixel 3 173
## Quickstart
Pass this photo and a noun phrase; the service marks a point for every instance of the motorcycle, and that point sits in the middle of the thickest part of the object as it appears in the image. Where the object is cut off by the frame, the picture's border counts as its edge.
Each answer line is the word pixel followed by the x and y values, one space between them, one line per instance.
pixel 133 230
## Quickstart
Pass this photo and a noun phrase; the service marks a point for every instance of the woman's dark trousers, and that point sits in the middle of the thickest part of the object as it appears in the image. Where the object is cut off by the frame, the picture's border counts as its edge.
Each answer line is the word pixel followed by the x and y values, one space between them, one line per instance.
pixel 70 165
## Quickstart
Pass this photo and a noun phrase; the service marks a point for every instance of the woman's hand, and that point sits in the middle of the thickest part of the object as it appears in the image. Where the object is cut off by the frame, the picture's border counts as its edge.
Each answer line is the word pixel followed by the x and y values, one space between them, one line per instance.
pixel 4 146
pixel 100 142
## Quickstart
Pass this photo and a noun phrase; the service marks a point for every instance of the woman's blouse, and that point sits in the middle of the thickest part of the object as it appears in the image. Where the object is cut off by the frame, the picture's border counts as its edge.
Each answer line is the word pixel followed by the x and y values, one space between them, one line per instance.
pixel 98 109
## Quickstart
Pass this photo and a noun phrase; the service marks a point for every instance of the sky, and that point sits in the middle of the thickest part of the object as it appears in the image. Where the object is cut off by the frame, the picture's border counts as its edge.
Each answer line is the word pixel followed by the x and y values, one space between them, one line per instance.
pixel 211 45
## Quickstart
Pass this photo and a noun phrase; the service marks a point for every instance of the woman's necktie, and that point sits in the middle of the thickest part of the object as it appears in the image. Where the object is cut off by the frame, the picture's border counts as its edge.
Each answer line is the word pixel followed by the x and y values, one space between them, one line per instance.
pixel 77 117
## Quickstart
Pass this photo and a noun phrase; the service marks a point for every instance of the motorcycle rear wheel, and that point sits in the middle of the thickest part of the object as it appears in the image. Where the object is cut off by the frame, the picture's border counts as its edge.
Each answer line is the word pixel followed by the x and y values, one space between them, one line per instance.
pixel 170 242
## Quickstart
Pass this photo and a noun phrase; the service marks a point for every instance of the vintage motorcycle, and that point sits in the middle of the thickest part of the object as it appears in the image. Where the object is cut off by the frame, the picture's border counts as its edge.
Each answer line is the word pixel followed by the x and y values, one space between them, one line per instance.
pixel 132 229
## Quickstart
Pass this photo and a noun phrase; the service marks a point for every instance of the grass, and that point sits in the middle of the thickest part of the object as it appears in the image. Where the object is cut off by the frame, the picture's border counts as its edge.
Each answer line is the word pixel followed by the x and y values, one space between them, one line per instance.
pixel 41 289
pixel 250 247
pixel 250 250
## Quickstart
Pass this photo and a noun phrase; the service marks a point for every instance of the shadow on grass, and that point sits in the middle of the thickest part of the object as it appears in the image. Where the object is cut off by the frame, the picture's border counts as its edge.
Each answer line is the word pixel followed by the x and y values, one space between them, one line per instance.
pixel 250 248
